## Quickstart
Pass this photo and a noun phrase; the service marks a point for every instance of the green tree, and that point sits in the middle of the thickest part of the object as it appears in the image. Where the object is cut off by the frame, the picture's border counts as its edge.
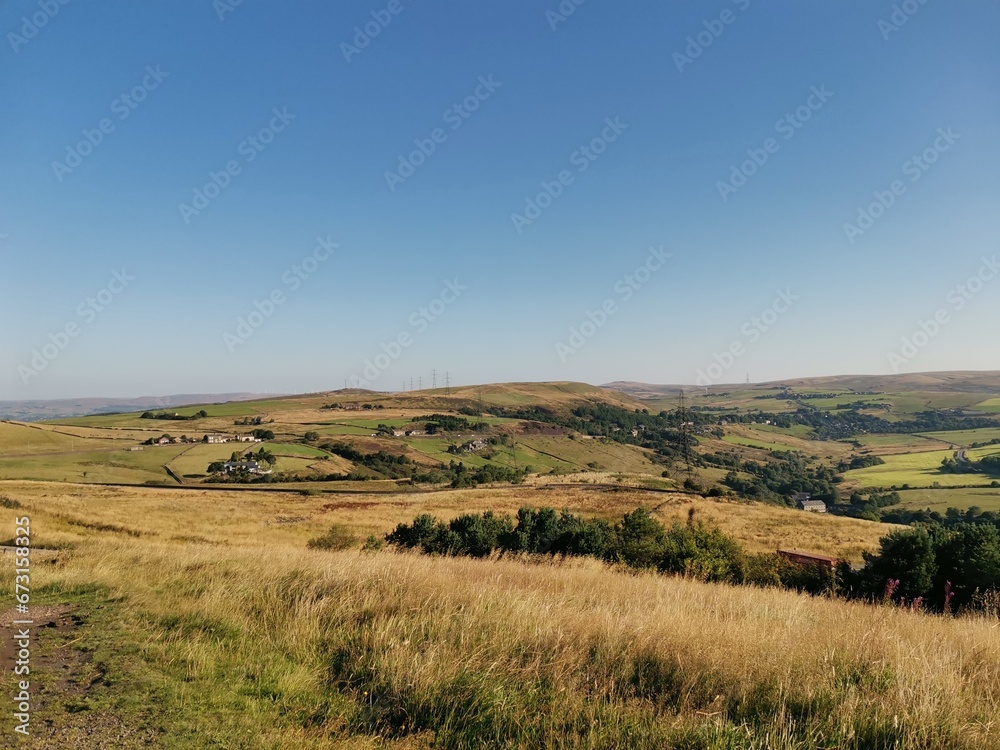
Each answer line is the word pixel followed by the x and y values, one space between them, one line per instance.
pixel 969 559
pixel 910 557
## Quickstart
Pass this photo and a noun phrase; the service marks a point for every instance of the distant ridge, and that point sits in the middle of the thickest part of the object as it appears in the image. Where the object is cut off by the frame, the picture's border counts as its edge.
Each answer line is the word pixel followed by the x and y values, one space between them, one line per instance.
pixel 953 381
pixel 35 410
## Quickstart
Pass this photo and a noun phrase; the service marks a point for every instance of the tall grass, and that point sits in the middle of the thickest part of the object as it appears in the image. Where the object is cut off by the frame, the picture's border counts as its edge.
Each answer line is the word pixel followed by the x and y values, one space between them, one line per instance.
pixel 299 648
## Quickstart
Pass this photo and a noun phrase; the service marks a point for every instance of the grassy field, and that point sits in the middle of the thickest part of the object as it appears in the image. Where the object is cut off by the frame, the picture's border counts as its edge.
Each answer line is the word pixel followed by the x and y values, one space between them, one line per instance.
pixel 232 409
pixel 768 445
pixel 978 454
pixel 200 619
pixel 293 449
pixel 805 432
pixel 21 440
pixel 94 466
pixel 582 452
pixel 942 499
pixel 881 445
pixel 989 405
pixel 914 469
pixel 765 528
pixel 196 458
pixel 342 429
pixel 966 437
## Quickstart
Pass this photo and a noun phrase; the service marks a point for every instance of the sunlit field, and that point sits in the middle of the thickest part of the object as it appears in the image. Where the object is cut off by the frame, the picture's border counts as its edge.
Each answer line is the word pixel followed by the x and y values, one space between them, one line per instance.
pixel 214 600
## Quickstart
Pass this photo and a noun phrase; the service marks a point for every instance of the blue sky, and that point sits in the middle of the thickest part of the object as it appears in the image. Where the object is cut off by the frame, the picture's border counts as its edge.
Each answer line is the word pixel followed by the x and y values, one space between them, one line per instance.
pixel 534 86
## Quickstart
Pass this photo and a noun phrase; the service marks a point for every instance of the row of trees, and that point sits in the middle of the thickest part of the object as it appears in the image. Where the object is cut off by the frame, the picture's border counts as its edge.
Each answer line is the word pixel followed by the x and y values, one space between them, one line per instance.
pixel 384 464
pixel 924 568
pixel 637 541
pixel 941 569
pixel 435 423
pixel 173 415
pixel 778 480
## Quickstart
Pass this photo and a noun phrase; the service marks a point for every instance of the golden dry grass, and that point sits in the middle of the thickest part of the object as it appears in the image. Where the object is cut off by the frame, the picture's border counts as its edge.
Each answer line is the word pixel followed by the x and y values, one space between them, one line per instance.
pixel 444 644
pixel 765 528
pixel 250 517
pixel 246 638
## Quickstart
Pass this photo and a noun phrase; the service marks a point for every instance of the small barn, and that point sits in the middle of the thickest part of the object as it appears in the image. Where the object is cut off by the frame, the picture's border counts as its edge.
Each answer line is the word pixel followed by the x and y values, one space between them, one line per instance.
pixel 808 558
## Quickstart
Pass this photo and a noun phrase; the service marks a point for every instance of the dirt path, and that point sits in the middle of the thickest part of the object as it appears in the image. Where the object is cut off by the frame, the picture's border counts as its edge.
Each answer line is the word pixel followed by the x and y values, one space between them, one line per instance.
pixel 63 675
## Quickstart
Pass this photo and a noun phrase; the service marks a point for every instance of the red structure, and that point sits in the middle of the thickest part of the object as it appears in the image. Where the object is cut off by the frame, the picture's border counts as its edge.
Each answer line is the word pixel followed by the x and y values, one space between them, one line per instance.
pixel 808 558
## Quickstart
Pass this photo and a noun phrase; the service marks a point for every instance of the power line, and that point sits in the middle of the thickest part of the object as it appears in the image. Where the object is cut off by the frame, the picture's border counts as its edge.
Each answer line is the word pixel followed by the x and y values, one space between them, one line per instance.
pixel 685 434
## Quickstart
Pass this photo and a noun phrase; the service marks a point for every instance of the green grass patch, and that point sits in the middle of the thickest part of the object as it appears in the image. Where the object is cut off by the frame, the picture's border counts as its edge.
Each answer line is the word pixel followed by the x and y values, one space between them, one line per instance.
pixel 991 405
pixel 295 449
pixel 914 469
pixel 942 499
pixel 966 437
pixel 768 445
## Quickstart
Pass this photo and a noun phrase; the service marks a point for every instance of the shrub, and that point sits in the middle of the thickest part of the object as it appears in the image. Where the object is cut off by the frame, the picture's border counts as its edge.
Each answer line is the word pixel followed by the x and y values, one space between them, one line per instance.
pixel 338 537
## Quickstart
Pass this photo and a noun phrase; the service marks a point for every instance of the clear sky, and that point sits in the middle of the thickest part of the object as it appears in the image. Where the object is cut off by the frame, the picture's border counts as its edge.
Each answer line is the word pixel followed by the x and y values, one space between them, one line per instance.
pixel 481 179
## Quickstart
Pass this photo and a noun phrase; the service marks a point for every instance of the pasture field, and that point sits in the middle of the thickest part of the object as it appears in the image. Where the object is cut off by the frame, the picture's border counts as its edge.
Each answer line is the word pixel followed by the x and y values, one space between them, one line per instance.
pixel 845 398
pixel 914 469
pixel 195 460
pixel 370 424
pixel 881 445
pixel 989 405
pixel 966 437
pixel 432 451
pixel 767 445
pixel 293 464
pixel 93 466
pixel 608 456
pixel 770 438
pixel 803 431
pixel 978 454
pixel 291 449
pixel 337 429
pixel 133 421
pixel 186 598
pixel 17 439
pixel 230 409
pixel 406 421
pixel 986 498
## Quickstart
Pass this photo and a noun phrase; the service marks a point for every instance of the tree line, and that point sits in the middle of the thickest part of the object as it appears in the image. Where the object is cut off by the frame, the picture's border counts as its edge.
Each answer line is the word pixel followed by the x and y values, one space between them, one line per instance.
pixel 933 569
